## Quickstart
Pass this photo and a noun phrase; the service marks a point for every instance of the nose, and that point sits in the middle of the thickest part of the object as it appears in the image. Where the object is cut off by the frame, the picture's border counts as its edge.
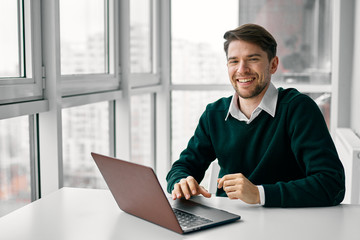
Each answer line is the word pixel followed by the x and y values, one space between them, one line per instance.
pixel 242 67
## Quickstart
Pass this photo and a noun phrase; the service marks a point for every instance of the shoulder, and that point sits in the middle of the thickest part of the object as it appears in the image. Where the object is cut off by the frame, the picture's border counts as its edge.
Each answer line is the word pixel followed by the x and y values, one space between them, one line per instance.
pixel 297 105
pixel 293 98
pixel 221 104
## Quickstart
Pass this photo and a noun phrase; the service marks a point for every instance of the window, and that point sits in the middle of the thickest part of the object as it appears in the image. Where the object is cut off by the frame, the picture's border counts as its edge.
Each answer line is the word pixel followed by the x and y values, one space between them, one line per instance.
pixel 197 42
pixel 185 115
pixel 11 46
pixel 140 36
pixel 144 43
pixel 83 37
pixel 85 130
pixel 142 124
pixel 89 61
pixel 198 58
pixel 20 58
pixel 302 30
pixel 15 182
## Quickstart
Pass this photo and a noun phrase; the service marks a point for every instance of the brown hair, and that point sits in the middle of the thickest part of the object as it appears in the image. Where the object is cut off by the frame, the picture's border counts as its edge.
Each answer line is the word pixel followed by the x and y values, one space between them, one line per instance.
pixel 254 34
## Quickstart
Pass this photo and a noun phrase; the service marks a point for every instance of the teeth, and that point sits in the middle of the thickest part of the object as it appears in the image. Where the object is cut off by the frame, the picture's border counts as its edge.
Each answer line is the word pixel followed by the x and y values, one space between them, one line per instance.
pixel 245 80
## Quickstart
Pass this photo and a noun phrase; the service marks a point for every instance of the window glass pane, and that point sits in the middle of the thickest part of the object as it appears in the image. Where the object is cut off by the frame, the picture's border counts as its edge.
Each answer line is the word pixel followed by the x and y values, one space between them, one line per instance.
pixel 140 36
pixel 187 107
pixel 10 44
pixel 85 130
pixel 15 182
pixel 302 29
pixel 83 36
pixel 197 40
pixel 141 127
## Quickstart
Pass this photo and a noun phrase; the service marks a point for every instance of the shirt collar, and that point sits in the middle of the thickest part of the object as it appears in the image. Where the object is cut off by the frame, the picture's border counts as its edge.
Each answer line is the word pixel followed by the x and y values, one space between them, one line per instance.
pixel 268 104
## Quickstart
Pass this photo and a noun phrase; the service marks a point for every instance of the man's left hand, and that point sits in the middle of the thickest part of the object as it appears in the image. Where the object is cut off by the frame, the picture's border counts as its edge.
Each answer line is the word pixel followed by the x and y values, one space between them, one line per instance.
pixel 237 186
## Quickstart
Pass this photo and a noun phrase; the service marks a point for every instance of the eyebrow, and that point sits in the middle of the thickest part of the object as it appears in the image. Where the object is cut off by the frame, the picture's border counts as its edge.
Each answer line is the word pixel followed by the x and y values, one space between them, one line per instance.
pixel 254 55
pixel 248 56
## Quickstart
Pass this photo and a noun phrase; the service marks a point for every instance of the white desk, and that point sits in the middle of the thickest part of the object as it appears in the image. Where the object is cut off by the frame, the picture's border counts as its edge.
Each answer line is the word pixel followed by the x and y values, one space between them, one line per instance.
pixel 71 213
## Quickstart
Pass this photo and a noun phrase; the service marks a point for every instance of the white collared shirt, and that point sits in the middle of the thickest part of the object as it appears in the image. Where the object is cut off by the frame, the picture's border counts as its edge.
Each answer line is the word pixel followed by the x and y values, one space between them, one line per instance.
pixel 268 104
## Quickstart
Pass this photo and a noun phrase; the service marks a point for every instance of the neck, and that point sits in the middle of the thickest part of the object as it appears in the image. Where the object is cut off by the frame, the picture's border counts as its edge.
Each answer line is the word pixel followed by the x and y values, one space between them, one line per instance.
pixel 248 105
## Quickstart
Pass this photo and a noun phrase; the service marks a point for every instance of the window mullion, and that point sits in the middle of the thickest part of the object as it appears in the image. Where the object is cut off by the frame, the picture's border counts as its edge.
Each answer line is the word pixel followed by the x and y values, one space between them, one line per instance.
pixel 34 157
pixel 21 36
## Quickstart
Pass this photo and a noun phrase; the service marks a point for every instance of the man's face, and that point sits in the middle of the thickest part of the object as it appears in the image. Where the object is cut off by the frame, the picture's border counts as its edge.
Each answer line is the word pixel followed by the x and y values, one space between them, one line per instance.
pixel 249 69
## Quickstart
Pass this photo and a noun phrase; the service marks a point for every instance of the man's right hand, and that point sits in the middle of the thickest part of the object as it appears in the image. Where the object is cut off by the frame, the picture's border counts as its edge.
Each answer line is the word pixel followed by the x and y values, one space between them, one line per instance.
pixel 188 187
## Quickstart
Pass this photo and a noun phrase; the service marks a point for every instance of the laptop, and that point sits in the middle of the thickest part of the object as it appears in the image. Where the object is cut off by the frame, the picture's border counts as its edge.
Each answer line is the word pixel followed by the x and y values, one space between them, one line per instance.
pixel 137 191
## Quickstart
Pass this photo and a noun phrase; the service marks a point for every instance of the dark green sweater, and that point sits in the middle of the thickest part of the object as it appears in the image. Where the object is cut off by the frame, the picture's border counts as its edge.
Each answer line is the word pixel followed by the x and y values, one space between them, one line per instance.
pixel 292 154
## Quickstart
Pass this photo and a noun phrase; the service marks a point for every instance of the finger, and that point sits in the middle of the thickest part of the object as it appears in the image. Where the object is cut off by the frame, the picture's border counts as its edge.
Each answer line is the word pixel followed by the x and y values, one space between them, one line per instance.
pixel 193 185
pixel 232 195
pixel 229 177
pixel 177 193
pixel 223 179
pixel 204 192
pixel 185 188
pixel 220 182
pixel 230 189
pixel 233 182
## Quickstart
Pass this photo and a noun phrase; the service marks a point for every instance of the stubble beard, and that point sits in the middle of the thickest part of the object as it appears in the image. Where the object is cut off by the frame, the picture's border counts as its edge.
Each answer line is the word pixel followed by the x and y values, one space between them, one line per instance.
pixel 254 93
pixel 259 88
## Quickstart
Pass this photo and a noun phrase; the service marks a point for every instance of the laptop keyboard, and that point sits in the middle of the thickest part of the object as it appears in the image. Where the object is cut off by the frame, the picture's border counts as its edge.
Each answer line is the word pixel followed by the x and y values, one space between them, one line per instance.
pixel 188 220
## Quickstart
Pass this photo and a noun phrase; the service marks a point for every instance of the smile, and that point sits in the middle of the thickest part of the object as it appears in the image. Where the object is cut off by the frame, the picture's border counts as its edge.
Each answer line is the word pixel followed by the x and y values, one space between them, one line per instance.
pixel 245 80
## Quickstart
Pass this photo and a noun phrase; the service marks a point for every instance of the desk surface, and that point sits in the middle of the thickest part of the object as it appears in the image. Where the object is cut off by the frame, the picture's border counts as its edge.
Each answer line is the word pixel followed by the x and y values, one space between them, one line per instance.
pixel 71 213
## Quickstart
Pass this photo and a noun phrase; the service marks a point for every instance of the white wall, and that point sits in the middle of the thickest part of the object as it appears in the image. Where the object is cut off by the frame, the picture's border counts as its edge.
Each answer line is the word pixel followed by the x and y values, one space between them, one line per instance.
pixel 355 94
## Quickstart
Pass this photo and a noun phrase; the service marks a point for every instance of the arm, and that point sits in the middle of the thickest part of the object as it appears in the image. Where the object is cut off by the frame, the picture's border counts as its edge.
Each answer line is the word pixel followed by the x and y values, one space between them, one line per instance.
pixel 315 153
pixel 193 161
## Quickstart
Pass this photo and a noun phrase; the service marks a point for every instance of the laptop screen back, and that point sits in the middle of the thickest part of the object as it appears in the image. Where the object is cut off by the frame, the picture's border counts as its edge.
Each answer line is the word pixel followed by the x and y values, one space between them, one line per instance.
pixel 137 191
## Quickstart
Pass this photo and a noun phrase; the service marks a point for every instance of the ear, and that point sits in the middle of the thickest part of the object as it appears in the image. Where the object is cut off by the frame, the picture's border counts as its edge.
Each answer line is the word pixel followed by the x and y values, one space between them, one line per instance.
pixel 274 64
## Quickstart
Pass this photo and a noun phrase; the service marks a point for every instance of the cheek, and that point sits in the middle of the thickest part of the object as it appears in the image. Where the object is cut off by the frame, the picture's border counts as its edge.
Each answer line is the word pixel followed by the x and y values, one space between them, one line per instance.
pixel 231 71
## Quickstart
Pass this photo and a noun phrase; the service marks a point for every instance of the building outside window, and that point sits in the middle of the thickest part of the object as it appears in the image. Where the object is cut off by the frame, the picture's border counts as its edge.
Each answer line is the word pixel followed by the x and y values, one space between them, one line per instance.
pixel 15 182
pixel 85 130
pixel 83 37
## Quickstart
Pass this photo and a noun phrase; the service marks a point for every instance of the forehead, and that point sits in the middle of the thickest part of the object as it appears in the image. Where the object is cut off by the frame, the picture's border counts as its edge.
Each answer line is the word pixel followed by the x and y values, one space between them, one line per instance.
pixel 239 48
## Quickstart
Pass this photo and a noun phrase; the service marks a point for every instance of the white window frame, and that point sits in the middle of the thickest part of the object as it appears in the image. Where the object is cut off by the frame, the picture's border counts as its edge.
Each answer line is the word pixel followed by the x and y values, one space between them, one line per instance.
pixel 76 84
pixel 29 87
pixel 138 80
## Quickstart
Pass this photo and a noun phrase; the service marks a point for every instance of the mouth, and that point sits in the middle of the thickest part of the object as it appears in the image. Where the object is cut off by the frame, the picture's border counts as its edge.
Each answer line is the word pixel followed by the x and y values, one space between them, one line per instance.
pixel 245 80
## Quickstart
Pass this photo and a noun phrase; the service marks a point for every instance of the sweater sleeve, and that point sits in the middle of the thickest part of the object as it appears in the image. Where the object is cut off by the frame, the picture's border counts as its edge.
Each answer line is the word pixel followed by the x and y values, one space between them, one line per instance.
pixel 315 153
pixel 196 158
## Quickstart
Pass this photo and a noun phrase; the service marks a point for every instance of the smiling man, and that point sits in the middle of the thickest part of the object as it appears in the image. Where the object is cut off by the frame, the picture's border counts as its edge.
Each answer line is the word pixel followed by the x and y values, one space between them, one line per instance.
pixel 272 145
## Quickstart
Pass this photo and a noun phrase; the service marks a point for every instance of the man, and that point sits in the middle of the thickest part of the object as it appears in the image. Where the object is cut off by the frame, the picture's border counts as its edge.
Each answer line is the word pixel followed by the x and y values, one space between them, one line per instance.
pixel 272 145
